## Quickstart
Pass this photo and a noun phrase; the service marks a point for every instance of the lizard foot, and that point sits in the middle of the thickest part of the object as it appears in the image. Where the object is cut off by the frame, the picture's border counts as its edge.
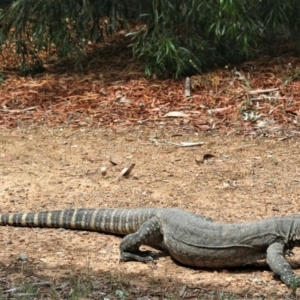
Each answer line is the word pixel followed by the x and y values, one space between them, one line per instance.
pixel 142 256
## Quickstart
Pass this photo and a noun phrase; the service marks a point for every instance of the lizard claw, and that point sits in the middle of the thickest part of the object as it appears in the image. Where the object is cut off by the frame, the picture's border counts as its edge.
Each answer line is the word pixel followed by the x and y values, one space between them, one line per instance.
pixel 142 256
pixel 289 253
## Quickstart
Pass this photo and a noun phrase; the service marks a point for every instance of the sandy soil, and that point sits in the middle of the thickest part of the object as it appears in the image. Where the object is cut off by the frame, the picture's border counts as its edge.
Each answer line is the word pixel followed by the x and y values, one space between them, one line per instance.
pixel 247 179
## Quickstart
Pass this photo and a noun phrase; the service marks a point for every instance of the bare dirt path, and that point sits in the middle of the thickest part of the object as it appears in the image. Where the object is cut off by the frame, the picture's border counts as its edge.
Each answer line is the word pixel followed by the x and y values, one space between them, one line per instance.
pixel 247 179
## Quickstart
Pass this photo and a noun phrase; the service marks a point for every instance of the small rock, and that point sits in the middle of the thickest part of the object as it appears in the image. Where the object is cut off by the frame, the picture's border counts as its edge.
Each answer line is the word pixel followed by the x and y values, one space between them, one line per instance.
pixel 103 171
pixel 23 257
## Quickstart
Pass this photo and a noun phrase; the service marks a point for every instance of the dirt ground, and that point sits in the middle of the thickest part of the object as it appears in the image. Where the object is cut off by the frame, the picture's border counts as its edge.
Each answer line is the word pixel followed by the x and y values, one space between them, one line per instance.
pixel 43 169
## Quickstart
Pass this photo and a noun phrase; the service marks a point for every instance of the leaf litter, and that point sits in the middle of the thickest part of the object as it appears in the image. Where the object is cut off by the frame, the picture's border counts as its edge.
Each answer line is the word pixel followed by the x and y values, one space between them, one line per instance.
pixel 112 90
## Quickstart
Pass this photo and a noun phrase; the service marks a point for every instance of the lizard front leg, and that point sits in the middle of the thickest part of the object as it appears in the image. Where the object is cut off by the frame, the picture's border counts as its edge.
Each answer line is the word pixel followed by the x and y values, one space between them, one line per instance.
pixel 279 265
pixel 148 234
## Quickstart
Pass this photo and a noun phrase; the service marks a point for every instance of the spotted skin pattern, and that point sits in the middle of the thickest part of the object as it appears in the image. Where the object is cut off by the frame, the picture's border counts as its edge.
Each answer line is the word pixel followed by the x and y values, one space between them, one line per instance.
pixel 191 239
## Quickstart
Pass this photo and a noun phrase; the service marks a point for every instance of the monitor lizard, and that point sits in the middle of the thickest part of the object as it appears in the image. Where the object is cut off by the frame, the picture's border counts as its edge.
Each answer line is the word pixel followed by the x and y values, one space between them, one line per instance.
pixel 191 239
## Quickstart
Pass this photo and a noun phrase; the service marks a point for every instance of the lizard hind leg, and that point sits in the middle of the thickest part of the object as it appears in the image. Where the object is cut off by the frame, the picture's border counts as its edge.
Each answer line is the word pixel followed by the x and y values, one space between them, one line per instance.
pixel 149 234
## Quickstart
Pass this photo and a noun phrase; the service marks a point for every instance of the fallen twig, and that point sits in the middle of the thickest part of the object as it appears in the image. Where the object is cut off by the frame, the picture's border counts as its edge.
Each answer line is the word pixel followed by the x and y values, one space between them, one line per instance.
pixel 17 111
pixel 253 92
pixel 36 284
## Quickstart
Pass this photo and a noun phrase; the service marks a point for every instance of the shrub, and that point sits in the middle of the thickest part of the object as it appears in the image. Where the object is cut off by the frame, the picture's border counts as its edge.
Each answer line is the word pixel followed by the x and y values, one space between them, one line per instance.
pixel 178 37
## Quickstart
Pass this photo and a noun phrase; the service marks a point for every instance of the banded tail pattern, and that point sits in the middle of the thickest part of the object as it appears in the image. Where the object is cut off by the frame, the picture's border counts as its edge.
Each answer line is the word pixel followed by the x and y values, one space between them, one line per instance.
pixel 117 221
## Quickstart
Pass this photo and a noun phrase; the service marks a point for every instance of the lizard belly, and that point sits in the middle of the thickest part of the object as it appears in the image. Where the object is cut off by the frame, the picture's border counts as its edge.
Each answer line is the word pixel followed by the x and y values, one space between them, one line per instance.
pixel 214 257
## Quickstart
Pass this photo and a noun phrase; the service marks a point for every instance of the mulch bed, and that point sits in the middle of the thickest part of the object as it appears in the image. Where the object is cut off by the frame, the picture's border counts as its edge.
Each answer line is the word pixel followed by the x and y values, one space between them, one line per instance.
pixel 257 96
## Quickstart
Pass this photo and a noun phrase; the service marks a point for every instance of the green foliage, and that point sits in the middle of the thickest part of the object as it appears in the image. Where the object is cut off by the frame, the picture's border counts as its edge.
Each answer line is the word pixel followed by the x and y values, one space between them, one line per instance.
pixel 2 78
pixel 38 25
pixel 178 37
pixel 172 42
pixel 209 33
pixel 294 286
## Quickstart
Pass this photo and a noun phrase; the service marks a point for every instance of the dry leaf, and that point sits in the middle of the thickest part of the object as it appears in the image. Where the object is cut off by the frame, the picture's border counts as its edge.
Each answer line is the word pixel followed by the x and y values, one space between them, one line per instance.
pixel 124 100
pixel 176 114
pixel 187 144
pixel 112 162
pixel 219 110
pixel 126 171
pixel 207 156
